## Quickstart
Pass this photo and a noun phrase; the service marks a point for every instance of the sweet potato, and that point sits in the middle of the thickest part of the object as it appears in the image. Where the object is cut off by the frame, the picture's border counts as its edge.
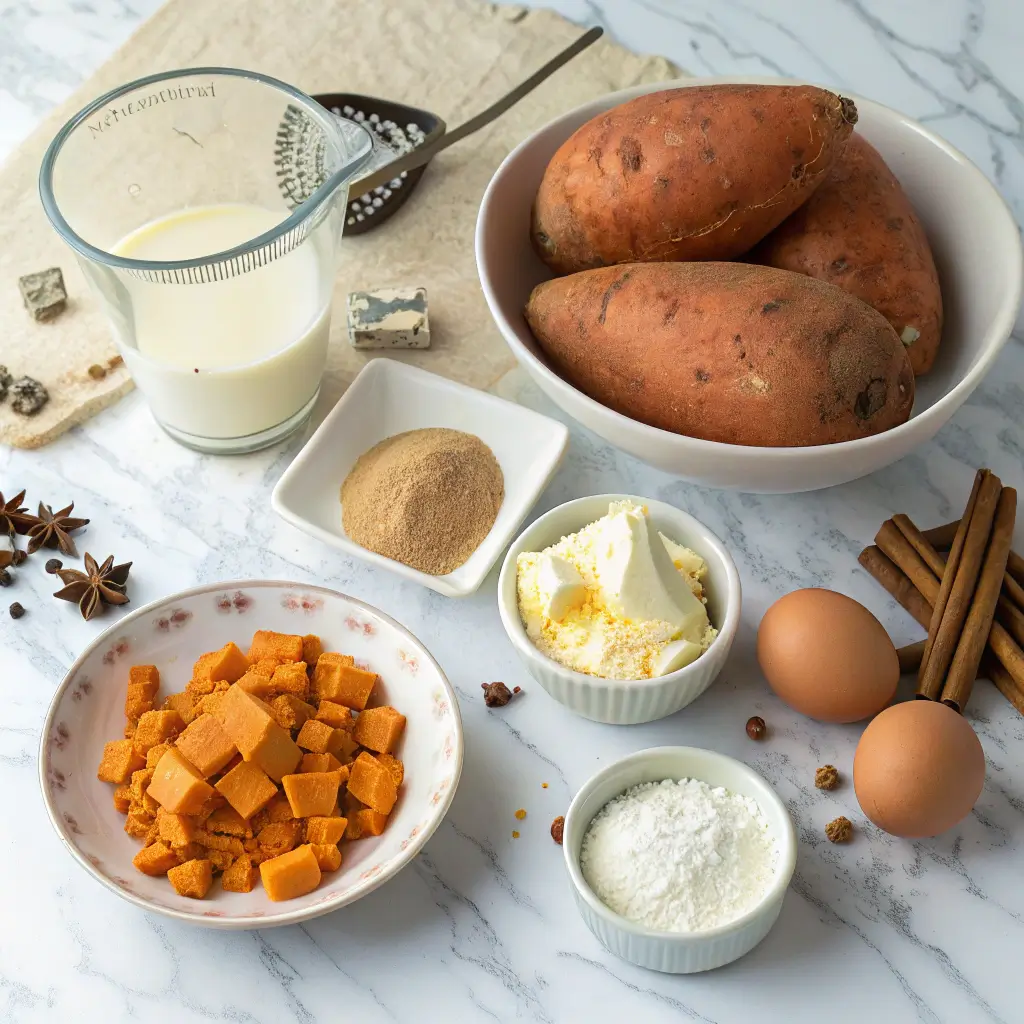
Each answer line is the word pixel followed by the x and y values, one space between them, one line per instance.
pixel 859 231
pixel 699 173
pixel 726 352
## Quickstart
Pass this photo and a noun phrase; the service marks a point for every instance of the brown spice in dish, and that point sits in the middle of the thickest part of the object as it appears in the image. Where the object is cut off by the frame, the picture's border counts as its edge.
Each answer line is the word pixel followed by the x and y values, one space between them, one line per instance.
pixel 557 828
pixel 426 498
pixel 826 777
pixel 839 830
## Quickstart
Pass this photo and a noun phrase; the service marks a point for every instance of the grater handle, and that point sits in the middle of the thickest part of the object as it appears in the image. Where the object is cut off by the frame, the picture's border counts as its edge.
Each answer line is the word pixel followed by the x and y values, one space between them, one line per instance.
pixel 423 154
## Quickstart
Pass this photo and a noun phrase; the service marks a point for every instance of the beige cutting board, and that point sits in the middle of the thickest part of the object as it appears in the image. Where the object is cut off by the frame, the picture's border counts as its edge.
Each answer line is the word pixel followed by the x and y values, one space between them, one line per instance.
pixel 452 57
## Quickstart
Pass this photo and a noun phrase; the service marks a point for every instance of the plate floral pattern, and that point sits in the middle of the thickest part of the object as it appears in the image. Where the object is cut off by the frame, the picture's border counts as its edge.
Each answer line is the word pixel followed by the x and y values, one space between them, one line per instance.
pixel 88 709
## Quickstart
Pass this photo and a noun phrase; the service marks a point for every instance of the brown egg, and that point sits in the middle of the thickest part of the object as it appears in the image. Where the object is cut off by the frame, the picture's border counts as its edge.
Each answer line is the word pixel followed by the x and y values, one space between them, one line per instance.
pixel 918 769
pixel 827 656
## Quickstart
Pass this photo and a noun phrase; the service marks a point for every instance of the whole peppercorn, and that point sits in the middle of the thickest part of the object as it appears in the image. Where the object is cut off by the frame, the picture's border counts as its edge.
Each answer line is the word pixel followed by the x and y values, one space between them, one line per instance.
pixel 840 830
pixel 52 565
pixel 557 828
pixel 19 556
pixel 756 728
pixel 6 579
pixel 16 610
pixel 496 695
pixel 826 777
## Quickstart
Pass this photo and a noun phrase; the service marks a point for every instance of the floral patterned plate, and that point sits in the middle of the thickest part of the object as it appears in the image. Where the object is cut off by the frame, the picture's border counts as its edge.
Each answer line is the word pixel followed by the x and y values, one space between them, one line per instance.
pixel 88 710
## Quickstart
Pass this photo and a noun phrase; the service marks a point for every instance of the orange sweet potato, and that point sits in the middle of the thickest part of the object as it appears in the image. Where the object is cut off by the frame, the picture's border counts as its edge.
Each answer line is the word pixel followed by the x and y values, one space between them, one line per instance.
pixel 859 231
pixel 726 352
pixel 699 173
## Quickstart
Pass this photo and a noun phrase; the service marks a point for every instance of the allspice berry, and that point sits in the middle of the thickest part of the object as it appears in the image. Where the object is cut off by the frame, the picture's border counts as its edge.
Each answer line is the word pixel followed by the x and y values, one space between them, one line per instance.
pixel 826 777
pixel 756 728
pixel 840 830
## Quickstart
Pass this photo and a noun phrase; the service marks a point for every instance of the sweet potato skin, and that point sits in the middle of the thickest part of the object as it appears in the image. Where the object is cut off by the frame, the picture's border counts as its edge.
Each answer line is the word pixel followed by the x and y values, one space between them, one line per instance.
pixel 726 352
pixel 700 173
pixel 859 231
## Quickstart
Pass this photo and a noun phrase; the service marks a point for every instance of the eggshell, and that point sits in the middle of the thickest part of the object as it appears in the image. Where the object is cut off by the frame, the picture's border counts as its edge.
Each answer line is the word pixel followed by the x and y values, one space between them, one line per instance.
pixel 827 656
pixel 918 770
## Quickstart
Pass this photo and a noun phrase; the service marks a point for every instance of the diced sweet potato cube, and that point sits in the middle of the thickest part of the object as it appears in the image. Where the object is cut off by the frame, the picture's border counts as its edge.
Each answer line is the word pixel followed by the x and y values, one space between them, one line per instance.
pixel 156 727
pixel 206 745
pixel 157 859
pixel 118 762
pixel 219 860
pixel 268 666
pixel 292 874
pixel 343 747
pixel 322 831
pixel 328 856
pixel 193 878
pixel 290 712
pixel 311 793
pixel 137 701
pixel 227 821
pixel 291 678
pixel 279 837
pixel 139 783
pixel 267 644
pixel 336 679
pixel 319 763
pixel 223 844
pixel 241 876
pixel 129 730
pixel 177 786
pixel 122 799
pixel 208 704
pixel 146 676
pixel 247 787
pixel 138 823
pixel 154 754
pixel 315 736
pixel 279 809
pixel 250 726
pixel 371 783
pixel 353 829
pixel 203 668
pixel 259 684
pixel 199 687
pixel 394 766
pixel 312 648
pixel 379 729
pixel 229 663
pixel 336 715
pixel 175 829
pixel 371 822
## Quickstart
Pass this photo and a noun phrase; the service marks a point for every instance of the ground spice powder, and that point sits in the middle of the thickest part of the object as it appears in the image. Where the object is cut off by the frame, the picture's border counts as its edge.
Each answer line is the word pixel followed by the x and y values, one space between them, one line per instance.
pixel 426 498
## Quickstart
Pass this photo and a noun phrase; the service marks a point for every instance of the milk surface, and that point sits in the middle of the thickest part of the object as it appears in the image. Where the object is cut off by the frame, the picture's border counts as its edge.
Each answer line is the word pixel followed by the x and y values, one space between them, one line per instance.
pixel 226 359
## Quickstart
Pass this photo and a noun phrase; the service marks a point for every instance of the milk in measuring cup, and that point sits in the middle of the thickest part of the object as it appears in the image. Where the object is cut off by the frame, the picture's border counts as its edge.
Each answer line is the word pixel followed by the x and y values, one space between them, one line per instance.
pixel 225 359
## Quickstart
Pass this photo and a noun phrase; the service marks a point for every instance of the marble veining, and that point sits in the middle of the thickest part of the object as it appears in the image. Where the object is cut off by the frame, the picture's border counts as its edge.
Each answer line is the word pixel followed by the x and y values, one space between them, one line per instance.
pixel 482 926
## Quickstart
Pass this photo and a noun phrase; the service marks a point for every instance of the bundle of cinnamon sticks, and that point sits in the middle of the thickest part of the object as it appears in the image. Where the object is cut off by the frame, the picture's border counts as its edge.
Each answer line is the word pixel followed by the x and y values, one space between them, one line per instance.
pixel 962 583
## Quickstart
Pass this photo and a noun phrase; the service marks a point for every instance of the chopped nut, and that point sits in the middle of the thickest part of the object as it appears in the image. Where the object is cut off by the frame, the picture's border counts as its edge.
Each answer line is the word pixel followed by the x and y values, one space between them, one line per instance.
pixel 557 828
pixel 840 830
pixel 756 728
pixel 16 610
pixel 496 695
pixel 826 777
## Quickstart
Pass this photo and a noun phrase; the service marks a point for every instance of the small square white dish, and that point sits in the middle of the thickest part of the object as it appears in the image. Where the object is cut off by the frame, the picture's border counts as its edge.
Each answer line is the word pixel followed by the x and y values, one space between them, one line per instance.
pixel 387 398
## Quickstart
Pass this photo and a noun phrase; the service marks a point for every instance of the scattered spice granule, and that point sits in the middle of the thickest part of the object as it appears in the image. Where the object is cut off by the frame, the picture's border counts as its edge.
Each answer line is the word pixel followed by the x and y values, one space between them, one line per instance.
pixel 515 835
pixel 840 830
pixel 826 777
pixel 496 695
pixel 16 610
pixel 543 785
pixel 557 828
pixel 520 814
pixel 97 372
pixel 517 689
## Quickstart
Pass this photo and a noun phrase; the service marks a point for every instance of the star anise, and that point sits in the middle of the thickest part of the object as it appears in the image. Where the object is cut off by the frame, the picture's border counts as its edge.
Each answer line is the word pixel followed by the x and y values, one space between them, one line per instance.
pixel 53 529
pixel 13 517
pixel 99 585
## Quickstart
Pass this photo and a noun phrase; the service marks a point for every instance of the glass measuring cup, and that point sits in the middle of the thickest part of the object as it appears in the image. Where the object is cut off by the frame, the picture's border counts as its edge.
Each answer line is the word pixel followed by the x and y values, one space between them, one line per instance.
pixel 206 208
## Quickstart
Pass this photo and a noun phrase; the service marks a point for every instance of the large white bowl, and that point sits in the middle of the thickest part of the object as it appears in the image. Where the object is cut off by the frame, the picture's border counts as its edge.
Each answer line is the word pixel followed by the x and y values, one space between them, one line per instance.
pixel 977 250
pixel 678 952
pixel 88 709
pixel 626 701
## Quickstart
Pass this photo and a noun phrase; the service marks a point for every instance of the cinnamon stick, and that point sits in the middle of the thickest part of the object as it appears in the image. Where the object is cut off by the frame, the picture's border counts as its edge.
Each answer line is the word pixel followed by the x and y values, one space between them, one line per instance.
pixel 910 657
pixel 981 616
pixel 940 537
pixel 945 631
pixel 1004 682
pixel 894 545
pixel 890 577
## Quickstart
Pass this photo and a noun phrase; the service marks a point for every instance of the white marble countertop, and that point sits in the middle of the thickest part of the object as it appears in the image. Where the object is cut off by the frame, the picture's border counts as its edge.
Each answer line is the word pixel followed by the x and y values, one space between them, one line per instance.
pixel 482 926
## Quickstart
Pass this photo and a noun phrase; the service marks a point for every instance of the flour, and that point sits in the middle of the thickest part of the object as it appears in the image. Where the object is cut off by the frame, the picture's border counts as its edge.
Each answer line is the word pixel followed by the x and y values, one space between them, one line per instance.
pixel 679 856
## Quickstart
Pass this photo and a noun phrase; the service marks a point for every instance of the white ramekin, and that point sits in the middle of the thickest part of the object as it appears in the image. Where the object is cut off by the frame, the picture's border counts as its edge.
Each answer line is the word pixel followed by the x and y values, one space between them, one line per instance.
pixel 678 952
pixel 625 701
